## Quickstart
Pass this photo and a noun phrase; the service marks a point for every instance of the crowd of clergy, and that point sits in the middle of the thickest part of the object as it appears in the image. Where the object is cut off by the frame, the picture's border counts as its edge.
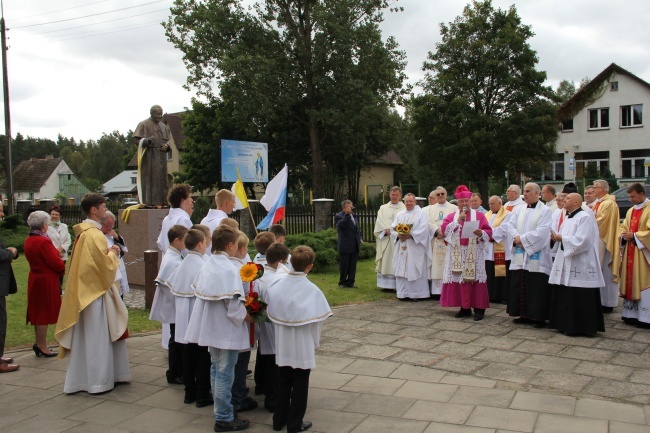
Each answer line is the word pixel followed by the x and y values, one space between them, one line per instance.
pixel 551 257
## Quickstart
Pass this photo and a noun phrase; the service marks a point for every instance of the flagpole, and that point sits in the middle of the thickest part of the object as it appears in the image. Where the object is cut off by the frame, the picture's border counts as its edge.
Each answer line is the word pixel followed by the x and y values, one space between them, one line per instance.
pixel 249 206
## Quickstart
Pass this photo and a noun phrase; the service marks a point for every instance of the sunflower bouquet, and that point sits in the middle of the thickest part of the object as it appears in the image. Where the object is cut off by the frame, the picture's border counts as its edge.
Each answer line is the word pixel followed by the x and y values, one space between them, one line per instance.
pixel 255 305
pixel 403 229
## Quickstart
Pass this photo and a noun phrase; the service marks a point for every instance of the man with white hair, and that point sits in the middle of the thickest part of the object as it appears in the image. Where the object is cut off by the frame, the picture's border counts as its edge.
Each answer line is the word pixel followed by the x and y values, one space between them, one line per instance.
pixel 607 217
pixel 530 230
pixel 496 265
pixel 437 211
pixel 112 238
pixel 514 198
pixel 412 255
pixel 385 245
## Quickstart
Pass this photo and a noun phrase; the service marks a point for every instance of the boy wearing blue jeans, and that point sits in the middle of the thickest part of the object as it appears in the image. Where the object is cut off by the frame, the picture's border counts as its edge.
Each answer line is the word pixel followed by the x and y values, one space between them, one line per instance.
pixel 219 321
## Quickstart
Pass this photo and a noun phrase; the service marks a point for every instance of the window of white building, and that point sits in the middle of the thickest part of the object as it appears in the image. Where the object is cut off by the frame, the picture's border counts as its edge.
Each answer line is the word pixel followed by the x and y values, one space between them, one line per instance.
pixel 599 118
pixel 631 115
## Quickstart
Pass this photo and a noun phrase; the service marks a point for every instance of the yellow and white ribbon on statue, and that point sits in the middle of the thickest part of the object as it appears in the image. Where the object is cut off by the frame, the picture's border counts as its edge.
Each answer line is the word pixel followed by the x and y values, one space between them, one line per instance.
pixel 127 212
pixel 141 151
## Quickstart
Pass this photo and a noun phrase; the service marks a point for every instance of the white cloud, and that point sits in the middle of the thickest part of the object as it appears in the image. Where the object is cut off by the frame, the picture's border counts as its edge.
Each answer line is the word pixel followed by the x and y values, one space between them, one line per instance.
pixel 84 87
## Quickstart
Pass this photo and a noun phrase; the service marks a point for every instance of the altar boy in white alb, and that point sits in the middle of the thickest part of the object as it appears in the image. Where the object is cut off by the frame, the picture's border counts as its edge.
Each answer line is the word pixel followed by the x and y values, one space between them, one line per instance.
pixel 163 308
pixel 219 321
pixel 196 359
pixel 297 308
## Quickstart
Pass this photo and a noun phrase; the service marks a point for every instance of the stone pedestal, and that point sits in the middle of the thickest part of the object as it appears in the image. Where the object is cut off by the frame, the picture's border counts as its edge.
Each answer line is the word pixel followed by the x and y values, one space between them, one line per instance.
pixel 140 234
pixel 246 223
pixel 22 208
pixel 322 213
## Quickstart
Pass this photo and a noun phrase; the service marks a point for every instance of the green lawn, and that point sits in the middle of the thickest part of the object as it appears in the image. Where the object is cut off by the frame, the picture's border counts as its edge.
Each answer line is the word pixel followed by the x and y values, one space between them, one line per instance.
pixel 21 335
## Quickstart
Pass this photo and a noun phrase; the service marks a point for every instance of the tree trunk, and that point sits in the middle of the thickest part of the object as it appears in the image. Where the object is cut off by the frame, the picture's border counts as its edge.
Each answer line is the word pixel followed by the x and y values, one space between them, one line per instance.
pixel 316 158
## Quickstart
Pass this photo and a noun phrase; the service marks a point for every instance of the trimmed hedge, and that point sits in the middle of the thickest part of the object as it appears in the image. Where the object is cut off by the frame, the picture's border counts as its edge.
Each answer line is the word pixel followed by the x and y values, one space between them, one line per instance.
pixel 324 243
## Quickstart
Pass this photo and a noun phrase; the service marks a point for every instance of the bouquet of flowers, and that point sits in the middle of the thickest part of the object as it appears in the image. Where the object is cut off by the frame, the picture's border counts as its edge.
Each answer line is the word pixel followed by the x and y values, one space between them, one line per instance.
pixel 255 305
pixel 403 229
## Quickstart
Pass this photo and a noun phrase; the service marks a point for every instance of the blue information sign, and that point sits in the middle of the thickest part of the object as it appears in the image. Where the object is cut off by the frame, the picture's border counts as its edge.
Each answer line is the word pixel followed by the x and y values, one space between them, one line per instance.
pixel 252 160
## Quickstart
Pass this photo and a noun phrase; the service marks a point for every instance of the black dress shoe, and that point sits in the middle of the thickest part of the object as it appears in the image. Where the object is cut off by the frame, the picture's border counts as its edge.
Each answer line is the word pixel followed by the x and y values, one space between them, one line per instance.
pixel 176 381
pixel 305 426
pixel 521 321
pixel 463 313
pixel 539 324
pixel 352 286
pixel 203 402
pixel 630 321
pixel 249 404
pixel 607 309
pixel 189 400
pixel 479 316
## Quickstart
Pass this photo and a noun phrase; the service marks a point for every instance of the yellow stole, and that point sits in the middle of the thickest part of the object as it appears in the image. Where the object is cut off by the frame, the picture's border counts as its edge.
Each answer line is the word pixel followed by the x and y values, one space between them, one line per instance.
pixel 499 247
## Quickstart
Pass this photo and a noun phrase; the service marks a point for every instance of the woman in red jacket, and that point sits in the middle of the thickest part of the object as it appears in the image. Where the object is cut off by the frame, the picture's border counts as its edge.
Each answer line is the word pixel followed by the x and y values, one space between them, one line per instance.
pixel 45 271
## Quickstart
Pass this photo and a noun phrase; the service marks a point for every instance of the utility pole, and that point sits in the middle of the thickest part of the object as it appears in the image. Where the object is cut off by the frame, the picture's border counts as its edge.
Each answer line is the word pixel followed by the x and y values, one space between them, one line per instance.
pixel 5 87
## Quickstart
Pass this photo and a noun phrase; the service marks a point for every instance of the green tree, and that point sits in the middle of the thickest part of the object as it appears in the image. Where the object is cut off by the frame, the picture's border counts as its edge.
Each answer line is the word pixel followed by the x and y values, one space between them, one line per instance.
pixel 288 64
pixel 484 108
pixel 565 90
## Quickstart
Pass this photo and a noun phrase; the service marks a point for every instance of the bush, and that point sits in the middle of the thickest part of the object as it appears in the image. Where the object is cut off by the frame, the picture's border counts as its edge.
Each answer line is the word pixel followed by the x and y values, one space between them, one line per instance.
pixel 12 221
pixel 324 243
pixel 201 208
pixel 14 237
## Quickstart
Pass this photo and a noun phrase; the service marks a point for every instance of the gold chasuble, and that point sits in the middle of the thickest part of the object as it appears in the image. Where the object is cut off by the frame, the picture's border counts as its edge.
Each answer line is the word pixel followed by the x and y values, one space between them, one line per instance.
pixel 91 275
pixel 499 247
pixel 385 245
pixel 606 212
pixel 634 269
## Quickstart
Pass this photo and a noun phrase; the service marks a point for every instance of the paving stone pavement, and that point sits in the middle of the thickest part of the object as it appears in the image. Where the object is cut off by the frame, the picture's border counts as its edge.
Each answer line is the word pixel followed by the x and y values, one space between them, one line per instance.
pixel 385 366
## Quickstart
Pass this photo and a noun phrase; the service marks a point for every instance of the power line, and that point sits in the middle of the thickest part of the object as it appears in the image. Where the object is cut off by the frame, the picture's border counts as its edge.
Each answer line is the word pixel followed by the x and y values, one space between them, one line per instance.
pixel 102 22
pixel 60 10
pixel 105 33
pixel 91 15
pixel 113 30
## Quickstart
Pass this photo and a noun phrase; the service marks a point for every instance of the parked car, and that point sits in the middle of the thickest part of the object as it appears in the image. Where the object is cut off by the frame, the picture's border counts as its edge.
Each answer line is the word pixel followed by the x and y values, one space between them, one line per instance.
pixel 623 201
pixel 130 201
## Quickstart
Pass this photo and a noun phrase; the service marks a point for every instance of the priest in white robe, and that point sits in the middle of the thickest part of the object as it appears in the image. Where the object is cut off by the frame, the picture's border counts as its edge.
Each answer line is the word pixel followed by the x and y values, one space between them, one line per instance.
pixel 576 277
pixel 93 319
pixel 412 255
pixel 437 211
pixel 530 230
pixel 513 193
pixel 500 234
pixel 384 242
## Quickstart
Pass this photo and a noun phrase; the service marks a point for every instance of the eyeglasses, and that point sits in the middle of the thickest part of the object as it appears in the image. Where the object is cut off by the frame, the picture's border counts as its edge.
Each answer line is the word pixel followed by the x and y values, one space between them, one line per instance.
pixel 442 194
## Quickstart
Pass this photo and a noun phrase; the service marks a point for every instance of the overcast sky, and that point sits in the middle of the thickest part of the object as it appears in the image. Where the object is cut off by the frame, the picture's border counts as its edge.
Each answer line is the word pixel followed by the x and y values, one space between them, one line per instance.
pixel 83 77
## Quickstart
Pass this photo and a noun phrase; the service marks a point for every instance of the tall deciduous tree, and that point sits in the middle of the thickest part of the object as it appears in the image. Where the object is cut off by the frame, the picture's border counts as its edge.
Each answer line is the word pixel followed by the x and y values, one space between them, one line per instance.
pixel 293 63
pixel 484 109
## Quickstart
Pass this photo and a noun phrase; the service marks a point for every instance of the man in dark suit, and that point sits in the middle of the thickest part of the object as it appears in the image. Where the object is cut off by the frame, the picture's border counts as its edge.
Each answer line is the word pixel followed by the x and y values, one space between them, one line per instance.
pixel 349 243
pixel 7 287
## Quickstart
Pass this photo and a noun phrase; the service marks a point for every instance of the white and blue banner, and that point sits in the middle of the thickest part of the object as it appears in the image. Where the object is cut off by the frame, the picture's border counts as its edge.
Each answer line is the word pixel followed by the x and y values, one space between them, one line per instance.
pixel 252 160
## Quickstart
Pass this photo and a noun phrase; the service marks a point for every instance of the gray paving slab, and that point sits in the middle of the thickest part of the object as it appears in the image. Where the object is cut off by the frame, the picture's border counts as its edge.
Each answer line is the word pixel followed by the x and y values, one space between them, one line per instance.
pixel 508 419
pixel 386 366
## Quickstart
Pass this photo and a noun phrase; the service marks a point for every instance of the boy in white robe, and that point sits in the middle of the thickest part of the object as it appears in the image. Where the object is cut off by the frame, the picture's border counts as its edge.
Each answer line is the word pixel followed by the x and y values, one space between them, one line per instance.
pixel 196 359
pixel 280 234
pixel 266 370
pixel 262 243
pixel 240 399
pixel 163 308
pixel 297 308
pixel 219 321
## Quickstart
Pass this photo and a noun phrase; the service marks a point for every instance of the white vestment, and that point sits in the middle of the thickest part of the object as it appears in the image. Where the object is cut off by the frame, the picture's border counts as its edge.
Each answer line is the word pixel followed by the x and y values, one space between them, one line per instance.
pixel 163 307
pixel 557 219
pixel 181 284
pixel 124 281
pixel 217 319
pixel 212 221
pixel 576 262
pixel 385 246
pixel 552 204
pixel 533 226
pixel 297 308
pixel 176 216
pixel 412 258
pixel 501 233
pixel 95 362
pixel 436 214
